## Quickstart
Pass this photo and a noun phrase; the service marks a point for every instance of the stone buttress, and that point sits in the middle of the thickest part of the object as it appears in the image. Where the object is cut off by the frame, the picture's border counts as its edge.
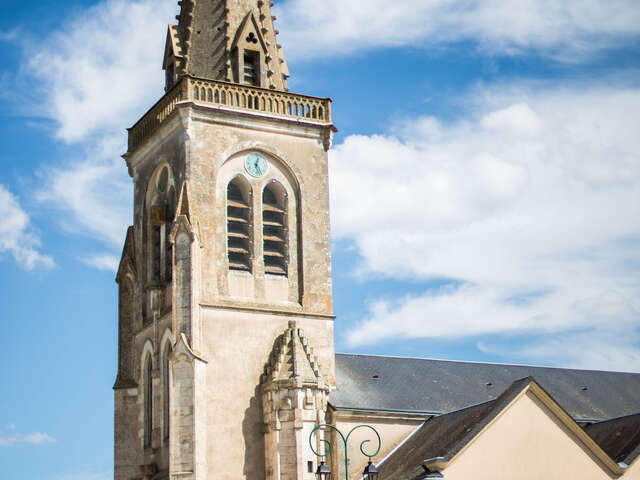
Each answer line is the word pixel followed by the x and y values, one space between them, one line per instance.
pixel 294 401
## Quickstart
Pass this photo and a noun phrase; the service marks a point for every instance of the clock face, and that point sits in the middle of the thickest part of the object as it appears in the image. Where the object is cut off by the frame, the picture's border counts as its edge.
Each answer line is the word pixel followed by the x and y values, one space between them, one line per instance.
pixel 256 164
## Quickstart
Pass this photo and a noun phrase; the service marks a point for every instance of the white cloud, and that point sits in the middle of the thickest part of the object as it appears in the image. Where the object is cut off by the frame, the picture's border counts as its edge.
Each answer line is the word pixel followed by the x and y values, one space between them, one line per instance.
pixel 602 351
pixel 104 262
pixel 16 238
pixel 569 29
pixel 9 35
pixel 102 69
pixel 93 194
pixel 94 76
pixel 29 439
pixel 605 351
pixel 530 204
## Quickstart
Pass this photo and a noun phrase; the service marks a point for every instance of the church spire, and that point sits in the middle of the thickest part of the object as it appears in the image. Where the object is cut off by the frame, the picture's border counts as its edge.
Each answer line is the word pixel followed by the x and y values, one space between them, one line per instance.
pixel 227 40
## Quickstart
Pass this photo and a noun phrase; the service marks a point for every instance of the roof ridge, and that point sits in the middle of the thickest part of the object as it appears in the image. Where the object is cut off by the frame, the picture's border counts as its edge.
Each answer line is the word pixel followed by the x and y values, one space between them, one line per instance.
pixel 476 362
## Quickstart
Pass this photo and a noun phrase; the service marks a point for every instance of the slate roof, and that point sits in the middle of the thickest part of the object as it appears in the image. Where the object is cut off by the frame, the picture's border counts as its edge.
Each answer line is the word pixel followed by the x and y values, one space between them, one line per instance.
pixel 444 436
pixel 393 384
pixel 619 437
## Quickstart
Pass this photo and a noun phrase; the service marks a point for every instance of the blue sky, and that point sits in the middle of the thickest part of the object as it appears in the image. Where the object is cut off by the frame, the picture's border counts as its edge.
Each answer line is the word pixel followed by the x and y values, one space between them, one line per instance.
pixel 485 191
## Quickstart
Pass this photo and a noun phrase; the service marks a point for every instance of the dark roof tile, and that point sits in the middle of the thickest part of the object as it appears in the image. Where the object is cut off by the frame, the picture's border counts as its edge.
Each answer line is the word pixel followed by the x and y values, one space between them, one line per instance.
pixel 442 386
pixel 619 437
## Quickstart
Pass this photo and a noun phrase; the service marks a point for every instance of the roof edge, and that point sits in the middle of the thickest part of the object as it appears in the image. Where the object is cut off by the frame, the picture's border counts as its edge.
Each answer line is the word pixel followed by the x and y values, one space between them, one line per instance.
pixel 473 362
pixel 511 395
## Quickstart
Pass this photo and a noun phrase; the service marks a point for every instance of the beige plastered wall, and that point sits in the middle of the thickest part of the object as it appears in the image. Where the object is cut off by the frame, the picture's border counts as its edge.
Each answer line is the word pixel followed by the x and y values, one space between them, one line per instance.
pixel 527 442
pixel 633 472
pixel 216 137
pixel 238 331
pixel 393 429
pixel 235 444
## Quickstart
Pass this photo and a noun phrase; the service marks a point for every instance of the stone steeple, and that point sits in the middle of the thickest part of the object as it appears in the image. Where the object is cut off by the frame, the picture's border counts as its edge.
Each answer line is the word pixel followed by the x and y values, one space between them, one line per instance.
pixel 227 40
pixel 227 261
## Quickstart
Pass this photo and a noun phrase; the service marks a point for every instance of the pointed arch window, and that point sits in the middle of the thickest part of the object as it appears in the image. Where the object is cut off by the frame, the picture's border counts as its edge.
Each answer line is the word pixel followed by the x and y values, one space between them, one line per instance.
pixel 274 229
pixel 161 198
pixel 148 401
pixel 239 225
pixel 166 390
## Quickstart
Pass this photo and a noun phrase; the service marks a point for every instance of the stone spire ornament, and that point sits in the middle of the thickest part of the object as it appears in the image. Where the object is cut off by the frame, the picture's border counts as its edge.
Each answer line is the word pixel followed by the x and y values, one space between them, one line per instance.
pixel 225 40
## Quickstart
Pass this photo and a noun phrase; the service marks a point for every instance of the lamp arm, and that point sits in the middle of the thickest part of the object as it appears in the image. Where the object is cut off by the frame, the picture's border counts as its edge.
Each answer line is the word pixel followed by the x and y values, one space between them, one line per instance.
pixel 363 443
pixel 328 445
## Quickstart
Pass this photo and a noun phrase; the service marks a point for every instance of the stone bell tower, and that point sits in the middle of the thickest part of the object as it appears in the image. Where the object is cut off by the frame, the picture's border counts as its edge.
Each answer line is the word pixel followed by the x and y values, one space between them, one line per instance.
pixel 226 352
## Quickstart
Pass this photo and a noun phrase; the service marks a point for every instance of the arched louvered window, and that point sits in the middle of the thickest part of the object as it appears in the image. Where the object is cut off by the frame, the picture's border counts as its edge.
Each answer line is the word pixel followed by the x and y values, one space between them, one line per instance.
pixel 239 225
pixel 148 401
pixel 165 385
pixel 274 229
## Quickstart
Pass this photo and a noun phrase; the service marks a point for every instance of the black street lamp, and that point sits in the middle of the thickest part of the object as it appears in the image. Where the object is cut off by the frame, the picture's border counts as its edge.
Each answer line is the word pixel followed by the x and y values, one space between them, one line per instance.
pixel 370 472
pixel 323 472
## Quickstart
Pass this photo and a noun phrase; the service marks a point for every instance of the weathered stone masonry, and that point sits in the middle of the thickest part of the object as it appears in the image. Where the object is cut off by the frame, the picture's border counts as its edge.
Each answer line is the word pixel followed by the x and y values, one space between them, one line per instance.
pixel 249 352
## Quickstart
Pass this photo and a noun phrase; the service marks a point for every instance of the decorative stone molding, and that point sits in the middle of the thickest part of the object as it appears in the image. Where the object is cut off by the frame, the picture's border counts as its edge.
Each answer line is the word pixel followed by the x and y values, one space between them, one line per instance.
pixel 184 350
pixel 313 111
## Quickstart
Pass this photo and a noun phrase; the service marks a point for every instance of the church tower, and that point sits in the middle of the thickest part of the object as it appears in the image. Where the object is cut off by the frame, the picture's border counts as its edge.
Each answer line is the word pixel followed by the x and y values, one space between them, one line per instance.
pixel 226 353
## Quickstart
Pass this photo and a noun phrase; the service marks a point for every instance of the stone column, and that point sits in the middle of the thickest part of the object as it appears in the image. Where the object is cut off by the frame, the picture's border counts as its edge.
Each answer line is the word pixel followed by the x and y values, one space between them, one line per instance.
pixel 187 443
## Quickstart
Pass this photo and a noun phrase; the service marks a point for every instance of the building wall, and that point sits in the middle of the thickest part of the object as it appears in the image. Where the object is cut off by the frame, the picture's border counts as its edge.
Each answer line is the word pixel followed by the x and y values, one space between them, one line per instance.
pixel 215 139
pixel 633 472
pixel 527 442
pixel 392 429
pixel 232 398
pixel 235 317
pixel 238 328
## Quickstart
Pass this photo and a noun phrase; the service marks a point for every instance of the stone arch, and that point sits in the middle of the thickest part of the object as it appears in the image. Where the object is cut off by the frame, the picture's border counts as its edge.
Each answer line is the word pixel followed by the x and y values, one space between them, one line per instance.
pixel 272 153
pixel 239 224
pixel 160 203
pixel 275 158
pixel 285 284
pixel 166 348
pixel 167 337
pixel 146 381
pixel 147 350
pixel 275 230
pixel 160 207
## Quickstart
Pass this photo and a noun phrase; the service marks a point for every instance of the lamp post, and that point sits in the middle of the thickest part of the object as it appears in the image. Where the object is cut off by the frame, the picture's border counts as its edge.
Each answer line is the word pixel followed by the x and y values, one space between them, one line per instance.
pixel 324 473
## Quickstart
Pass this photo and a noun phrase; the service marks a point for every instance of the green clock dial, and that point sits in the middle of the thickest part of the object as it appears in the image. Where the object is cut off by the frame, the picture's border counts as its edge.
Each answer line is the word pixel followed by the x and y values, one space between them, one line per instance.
pixel 256 165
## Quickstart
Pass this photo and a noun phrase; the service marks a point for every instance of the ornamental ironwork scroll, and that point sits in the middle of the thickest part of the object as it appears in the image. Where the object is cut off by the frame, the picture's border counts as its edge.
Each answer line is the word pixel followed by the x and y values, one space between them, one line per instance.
pixel 328 446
